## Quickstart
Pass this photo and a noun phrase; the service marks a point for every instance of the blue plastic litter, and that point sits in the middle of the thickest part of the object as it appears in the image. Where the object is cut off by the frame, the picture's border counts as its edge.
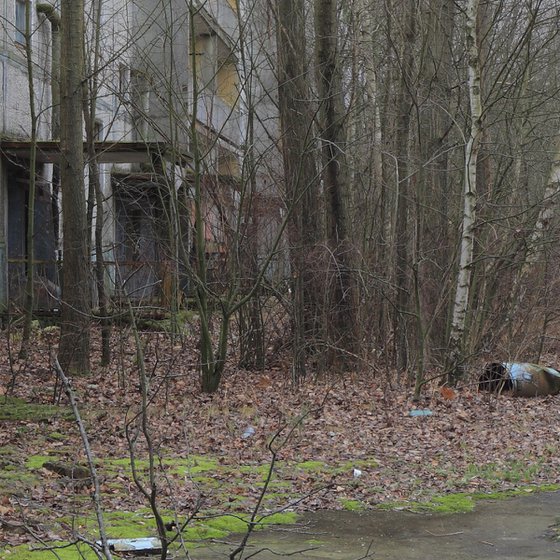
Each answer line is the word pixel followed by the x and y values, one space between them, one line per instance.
pixel 421 412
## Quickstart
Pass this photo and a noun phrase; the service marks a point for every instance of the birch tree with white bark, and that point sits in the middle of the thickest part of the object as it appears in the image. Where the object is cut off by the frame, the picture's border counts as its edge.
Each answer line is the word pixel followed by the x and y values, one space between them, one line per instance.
pixel 472 147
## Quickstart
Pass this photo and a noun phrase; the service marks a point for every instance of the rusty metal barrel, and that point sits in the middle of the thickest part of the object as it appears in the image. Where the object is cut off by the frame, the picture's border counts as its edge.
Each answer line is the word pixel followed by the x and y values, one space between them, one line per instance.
pixel 520 379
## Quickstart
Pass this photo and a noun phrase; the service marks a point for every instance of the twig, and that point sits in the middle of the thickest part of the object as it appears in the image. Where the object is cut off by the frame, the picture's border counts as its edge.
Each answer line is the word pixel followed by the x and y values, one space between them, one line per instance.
pixel 150 494
pixel 36 536
pixel 275 553
pixel 274 449
pixel 296 531
pixel 180 527
pixel 445 534
pixel 79 539
pixel 368 553
pixel 91 463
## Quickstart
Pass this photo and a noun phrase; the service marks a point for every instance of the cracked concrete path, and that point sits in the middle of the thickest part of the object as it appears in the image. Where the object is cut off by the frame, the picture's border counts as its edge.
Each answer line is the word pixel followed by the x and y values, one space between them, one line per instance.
pixel 516 528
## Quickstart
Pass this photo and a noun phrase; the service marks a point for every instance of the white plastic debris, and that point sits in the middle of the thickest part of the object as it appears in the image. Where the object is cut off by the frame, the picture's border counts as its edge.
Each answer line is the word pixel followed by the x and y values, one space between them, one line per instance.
pixel 357 473
pixel 249 431
pixel 148 545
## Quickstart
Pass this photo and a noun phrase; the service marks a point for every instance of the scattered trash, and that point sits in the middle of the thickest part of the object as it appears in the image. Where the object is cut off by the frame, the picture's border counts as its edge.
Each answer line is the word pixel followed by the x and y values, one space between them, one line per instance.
pixel 520 379
pixel 148 545
pixel 357 473
pixel 420 412
pixel 249 431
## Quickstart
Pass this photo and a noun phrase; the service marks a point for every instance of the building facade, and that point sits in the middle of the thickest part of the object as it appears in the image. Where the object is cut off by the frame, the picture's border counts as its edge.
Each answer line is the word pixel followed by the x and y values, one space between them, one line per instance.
pixel 164 81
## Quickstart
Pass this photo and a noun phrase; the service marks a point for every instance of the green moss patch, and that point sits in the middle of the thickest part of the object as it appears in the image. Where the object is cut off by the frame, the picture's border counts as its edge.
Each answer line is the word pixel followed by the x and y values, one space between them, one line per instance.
pixel 312 466
pixel 221 526
pixel 35 462
pixel 193 465
pixel 16 481
pixel 119 525
pixel 452 503
pixel 462 502
pixel 18 410
pixel 131 525
pixel 257 469
pixel 505 494
pixel 352 505
pixel 15 477
pixel 63 552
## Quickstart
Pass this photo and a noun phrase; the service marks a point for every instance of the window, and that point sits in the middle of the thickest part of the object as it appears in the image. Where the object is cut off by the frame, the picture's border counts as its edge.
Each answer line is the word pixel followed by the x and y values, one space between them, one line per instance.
pixel 228 82
pixel 20 21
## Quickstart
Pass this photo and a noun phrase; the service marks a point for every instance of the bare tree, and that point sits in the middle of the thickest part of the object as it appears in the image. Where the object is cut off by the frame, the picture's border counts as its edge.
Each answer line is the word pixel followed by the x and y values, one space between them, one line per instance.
pixel 341 303
pixel 76 300
pixel 91 91
pixel 30 272
pixel 297 138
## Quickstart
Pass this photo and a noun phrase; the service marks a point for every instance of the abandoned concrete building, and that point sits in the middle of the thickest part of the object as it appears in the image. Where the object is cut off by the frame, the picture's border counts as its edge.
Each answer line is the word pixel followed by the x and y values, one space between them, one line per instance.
pixel 148 107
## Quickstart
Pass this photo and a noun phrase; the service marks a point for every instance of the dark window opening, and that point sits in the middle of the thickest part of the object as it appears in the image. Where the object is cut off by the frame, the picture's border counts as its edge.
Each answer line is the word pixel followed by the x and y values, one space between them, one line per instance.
pixel 141 240
pixel 46 284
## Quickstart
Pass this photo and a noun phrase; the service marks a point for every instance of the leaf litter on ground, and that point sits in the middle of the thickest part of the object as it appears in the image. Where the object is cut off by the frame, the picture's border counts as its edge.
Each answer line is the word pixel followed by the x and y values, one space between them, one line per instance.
pixel 472 442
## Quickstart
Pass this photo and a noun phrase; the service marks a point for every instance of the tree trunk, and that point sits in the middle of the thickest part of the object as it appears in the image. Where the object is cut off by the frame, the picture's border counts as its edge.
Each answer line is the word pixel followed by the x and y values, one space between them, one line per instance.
pixel 433 192
pixel 251 325
pixel 76 305
pixel 95 195
pixel 536 248
pixel 461 305
pixel 547 212
pixel 402 232
pixel 251 328
pixel 340 313
pixel 212 360
pixel 30 242
pixel 299 172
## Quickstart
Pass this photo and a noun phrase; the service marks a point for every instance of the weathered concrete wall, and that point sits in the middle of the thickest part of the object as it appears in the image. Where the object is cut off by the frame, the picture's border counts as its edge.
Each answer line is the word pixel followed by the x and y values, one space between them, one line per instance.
pixel 166 66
